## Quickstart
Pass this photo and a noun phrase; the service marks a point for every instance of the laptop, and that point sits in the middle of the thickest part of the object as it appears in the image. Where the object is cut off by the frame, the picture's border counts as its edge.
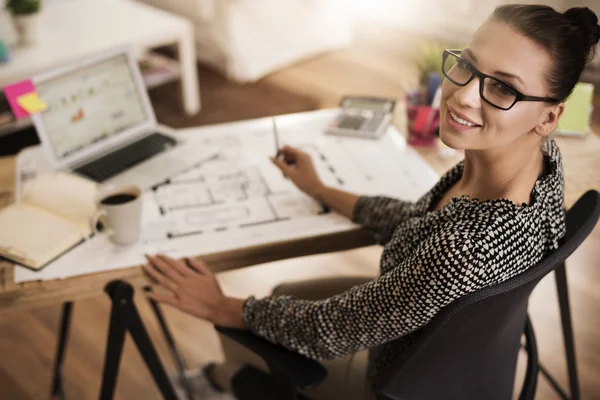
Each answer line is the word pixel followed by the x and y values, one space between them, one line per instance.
pixel 100 124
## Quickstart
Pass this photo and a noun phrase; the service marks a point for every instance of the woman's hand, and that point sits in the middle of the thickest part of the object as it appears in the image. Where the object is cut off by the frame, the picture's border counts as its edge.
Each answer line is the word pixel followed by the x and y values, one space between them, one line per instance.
pixel 297 165
pixel 194 289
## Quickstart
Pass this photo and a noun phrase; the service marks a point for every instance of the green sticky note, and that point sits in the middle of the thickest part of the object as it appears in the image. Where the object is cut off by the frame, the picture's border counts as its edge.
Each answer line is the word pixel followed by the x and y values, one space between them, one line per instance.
pixel 578 109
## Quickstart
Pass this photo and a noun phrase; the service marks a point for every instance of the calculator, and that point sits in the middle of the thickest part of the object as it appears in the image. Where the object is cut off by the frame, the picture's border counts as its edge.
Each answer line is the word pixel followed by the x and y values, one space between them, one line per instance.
pixel 363 117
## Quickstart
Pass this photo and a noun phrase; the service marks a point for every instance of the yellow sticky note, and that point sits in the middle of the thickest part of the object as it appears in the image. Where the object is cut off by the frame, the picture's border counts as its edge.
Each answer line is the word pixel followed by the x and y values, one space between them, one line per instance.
pixel 32 103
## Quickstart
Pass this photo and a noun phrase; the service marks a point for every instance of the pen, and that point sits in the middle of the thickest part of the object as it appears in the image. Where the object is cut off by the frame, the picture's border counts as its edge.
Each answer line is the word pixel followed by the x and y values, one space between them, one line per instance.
pixel 278 152
pixel 275 133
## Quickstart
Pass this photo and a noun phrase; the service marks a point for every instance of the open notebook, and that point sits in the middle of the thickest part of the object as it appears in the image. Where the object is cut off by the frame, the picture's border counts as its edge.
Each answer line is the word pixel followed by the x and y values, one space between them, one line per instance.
pixel 53 216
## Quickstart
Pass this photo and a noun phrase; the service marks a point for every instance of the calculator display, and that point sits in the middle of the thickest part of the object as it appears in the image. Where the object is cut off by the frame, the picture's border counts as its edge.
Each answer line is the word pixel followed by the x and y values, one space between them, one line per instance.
pixel 362 117
pixel 366 103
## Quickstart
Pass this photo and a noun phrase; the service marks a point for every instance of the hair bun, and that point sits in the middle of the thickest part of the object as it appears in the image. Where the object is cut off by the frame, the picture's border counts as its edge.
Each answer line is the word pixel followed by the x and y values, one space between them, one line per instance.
pixel 587 21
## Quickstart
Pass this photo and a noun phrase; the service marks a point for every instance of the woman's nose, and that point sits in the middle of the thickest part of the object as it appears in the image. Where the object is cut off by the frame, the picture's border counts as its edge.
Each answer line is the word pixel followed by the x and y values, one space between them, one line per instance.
pixel 468 95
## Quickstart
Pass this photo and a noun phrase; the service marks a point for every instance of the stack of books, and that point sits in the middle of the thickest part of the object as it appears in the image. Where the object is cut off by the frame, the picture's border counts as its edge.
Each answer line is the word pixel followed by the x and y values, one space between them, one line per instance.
pixel 158 69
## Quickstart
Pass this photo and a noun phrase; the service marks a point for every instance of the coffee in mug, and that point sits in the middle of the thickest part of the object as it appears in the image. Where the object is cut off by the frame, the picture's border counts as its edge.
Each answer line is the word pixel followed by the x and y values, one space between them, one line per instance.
pixel 120 211
pixel 119 198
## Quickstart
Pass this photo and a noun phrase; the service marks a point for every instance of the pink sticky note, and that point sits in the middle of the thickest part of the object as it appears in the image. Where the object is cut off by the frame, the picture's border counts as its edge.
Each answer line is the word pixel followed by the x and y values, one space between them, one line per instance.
pixel 13 92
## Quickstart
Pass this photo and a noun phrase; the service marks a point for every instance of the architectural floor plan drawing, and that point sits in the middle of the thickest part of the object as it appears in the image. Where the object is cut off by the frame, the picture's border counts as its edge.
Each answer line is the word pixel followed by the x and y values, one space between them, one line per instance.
pixel 231 192
pixel 235 197
pixel 228 200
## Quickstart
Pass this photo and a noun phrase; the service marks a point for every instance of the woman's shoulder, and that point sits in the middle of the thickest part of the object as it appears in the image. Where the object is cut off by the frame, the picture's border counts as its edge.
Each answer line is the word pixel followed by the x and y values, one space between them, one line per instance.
pixel 482 220
pixel 551 185
pixel 549 196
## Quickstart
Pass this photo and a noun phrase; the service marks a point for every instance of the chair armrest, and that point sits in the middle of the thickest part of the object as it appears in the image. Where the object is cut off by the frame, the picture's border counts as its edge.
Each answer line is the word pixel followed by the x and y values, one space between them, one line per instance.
pixel 302 371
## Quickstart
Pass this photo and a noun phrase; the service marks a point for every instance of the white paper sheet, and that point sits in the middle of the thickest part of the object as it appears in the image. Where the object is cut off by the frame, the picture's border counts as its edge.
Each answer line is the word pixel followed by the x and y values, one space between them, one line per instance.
pixel 239 198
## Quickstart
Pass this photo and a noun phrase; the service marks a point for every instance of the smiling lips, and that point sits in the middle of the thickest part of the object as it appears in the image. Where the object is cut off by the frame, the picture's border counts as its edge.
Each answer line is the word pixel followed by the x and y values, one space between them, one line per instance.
pixel 459 121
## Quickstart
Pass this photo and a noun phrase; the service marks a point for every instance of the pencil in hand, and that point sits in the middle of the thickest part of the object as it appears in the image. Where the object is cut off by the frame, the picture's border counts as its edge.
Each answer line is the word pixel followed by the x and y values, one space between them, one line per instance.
pixel 276 134
pixel 278 152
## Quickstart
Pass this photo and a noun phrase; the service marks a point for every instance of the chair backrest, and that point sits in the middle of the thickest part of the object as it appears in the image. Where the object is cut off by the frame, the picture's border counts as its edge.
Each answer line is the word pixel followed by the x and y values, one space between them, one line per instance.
pixel 469 350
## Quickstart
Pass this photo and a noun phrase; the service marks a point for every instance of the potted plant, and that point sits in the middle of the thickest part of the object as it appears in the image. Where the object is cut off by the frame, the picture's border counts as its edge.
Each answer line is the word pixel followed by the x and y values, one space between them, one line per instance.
pixel 429 65
pixel 26 19
pixel 423 115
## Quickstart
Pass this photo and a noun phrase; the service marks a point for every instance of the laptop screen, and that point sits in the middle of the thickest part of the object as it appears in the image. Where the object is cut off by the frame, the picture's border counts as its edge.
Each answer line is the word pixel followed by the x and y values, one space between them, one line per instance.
pixel 90 105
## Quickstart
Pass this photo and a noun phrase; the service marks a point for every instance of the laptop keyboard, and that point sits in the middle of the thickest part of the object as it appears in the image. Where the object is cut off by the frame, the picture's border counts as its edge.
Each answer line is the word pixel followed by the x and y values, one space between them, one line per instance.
pixel 110 165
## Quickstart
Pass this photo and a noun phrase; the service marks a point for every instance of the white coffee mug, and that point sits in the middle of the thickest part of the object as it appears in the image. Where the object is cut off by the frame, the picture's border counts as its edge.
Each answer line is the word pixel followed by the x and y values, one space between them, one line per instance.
pixel 120 211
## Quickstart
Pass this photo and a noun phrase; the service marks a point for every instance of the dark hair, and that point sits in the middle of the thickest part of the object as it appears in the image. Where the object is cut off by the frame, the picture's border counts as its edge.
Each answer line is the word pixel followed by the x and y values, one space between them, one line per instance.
pixel 570 38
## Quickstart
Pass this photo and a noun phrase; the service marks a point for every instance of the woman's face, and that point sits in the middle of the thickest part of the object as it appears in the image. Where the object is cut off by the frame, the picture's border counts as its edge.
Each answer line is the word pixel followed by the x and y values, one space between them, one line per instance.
pixel 498 50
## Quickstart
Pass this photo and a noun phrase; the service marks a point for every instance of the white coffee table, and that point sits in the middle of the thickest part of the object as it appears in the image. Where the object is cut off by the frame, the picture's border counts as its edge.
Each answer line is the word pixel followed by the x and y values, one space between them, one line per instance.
pixel 71 29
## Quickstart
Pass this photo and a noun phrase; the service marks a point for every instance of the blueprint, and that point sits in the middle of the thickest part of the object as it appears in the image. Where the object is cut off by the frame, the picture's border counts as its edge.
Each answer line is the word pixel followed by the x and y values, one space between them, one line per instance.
pixel 228 193
pixel 237 198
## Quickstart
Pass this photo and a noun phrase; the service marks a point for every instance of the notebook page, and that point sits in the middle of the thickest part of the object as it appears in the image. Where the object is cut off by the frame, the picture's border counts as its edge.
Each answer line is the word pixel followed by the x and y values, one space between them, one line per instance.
pixel 33 236
pixel 64 194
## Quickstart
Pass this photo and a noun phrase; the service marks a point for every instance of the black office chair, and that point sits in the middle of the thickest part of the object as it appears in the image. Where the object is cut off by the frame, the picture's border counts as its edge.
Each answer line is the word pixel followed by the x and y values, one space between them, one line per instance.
pixel 468 351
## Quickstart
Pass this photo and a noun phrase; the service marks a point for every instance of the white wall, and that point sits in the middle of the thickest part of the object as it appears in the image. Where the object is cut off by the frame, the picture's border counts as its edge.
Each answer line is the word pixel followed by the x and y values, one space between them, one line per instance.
pixel 594 5
pixel 453 20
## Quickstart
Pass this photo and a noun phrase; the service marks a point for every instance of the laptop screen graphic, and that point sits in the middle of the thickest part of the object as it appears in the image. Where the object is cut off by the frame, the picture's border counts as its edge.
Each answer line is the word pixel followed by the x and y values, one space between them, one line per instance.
pixel 90 105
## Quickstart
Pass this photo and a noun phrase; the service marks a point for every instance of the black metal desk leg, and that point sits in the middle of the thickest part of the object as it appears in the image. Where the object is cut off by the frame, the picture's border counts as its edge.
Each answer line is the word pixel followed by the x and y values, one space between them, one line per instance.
pixel 174 351
pixel 565 315
pixel 63 336
pixel 124 317
pixel 142 340
pixel 114 345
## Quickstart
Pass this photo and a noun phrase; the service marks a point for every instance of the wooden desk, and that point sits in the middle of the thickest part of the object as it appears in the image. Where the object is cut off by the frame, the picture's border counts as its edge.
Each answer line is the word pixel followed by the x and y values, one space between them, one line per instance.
pixel 582 172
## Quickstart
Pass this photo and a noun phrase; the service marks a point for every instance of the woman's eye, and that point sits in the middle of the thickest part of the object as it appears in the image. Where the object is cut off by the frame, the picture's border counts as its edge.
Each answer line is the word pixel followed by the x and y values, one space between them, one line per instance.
pixel 502 88
pixel 463 65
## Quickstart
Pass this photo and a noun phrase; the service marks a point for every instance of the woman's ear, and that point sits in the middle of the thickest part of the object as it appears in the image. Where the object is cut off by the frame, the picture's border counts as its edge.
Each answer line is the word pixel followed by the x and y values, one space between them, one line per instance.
pixel 550 121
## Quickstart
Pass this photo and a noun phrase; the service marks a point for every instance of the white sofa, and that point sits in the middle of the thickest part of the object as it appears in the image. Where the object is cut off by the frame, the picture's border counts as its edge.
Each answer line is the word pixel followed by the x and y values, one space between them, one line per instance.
pixel 248 39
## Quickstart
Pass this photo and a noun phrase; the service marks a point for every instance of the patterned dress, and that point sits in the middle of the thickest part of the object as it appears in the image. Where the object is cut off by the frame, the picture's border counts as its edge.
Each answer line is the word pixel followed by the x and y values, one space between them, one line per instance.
pixel 430 259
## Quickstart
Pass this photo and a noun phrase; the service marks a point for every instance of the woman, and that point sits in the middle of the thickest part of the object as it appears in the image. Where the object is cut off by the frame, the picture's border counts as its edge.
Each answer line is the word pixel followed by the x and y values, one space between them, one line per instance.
pixel 489 218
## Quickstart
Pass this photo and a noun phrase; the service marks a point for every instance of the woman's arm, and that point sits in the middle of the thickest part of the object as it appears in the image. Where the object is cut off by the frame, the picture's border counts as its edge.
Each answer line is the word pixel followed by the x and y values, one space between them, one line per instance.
pixel 397 303
pixel 443 268
pixel 190 286
pixel 380 215
pixel 297 166
pixel 341 201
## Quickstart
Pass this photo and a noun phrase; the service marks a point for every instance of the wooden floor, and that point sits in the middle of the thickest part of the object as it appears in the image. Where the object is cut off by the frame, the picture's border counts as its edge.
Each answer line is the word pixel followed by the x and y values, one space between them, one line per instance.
pixel 376 65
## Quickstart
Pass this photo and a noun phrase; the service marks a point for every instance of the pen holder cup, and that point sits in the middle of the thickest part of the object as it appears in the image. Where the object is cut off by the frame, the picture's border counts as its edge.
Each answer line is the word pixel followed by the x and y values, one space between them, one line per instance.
pixel 423 125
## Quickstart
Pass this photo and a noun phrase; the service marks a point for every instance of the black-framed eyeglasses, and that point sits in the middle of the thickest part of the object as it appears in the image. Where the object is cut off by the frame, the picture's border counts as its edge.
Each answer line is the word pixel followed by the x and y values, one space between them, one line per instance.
pixel 493 91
